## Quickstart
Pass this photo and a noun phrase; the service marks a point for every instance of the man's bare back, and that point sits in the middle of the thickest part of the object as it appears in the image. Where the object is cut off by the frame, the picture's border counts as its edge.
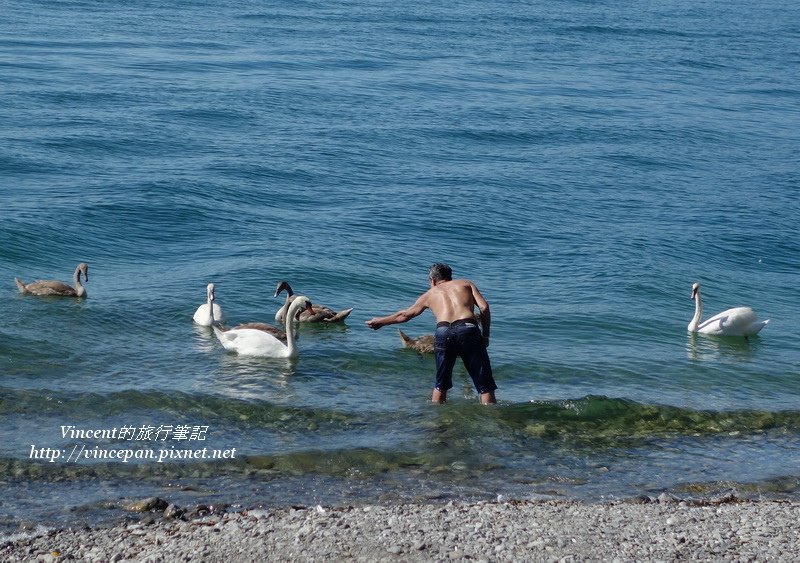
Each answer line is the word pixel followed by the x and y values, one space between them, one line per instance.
pixel 451 300
pixel 448 300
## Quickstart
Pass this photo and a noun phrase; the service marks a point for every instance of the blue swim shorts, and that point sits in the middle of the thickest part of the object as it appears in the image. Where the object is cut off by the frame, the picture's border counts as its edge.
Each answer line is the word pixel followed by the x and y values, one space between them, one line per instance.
pixel 462 339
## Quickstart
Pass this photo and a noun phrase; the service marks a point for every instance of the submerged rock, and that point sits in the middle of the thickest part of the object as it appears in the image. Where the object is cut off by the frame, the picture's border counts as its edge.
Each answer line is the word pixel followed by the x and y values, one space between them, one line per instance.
pixel 173 511
pixel 146 505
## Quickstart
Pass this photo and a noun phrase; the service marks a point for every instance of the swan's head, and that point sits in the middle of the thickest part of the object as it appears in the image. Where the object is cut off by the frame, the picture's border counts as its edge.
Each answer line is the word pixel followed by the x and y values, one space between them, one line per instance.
pixel 695 290
pixel 210 291
pixel 283 286
pixel 83 268
pixel 300 304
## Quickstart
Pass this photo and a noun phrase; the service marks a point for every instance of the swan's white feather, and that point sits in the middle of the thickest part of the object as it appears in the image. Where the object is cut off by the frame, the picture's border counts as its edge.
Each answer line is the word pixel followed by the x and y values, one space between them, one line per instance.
pixel 738 321
pixel 202 315
pixel 254 342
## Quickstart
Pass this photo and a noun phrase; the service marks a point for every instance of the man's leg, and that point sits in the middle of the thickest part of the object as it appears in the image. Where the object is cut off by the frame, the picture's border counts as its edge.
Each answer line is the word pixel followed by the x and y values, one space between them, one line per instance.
pixel 476 360
pixel 445 360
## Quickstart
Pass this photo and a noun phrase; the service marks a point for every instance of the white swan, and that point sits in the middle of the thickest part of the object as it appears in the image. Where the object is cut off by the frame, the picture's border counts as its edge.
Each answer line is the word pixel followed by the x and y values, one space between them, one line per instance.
pixel 739 321
pixel 56 288
pixel 319 314
pixel 203 316
pixel 254 342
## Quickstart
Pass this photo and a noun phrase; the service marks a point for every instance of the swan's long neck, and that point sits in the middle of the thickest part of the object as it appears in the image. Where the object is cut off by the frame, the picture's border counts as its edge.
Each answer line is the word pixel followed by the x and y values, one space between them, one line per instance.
pixel 289 324
pixel 698 311
pixel 284 310
pixel 76 282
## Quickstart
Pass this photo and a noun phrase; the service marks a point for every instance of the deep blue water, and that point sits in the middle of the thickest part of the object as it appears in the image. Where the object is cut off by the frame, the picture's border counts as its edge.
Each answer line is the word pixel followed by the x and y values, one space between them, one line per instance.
pixel 584 162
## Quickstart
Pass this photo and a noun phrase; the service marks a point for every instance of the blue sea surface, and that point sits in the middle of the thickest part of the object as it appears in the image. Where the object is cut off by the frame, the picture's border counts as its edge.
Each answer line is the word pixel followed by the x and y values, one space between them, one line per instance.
pixel 583 162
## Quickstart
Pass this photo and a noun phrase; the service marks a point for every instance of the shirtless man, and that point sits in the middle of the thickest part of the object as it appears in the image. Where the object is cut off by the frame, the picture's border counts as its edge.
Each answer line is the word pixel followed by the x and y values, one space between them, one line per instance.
pixel 457 335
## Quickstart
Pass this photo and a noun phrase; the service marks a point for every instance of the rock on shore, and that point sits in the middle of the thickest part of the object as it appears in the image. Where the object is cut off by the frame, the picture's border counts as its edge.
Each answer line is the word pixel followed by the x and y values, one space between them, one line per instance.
pixel 512 531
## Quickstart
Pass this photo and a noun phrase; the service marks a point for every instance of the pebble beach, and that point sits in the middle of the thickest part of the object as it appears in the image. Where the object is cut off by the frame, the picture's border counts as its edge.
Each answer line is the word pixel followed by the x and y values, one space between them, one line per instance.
pixel 643 529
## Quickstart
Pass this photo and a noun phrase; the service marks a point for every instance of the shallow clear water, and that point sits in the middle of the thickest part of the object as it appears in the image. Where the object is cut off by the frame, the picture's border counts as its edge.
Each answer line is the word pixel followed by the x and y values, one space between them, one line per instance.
pixel 583 162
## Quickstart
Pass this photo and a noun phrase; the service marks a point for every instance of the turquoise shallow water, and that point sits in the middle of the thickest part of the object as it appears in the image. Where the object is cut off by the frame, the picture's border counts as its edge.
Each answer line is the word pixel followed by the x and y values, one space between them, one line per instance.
pixel 583 162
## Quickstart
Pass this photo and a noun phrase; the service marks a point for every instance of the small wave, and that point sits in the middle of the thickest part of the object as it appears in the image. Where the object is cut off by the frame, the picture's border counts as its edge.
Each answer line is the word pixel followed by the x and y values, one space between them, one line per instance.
pixel 589 417
pixel 210 408
pixel 37 531
pixel 599 417
pixel 624 31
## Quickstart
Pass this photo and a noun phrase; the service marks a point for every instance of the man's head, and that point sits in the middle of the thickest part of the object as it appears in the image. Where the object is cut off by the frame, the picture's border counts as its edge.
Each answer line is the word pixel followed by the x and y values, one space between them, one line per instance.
pixel 440 272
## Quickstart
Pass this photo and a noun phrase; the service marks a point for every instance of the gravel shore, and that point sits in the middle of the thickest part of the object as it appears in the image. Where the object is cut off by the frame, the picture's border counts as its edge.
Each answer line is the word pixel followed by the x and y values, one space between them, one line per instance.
pixel 659 529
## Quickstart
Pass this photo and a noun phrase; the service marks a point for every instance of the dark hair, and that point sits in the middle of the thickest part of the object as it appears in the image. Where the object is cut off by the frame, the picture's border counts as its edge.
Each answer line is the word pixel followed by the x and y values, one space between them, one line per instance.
pixel 440 272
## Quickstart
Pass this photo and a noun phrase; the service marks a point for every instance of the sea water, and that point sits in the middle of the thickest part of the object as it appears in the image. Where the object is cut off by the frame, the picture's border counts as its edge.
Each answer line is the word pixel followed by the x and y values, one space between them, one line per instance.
pixel 583 162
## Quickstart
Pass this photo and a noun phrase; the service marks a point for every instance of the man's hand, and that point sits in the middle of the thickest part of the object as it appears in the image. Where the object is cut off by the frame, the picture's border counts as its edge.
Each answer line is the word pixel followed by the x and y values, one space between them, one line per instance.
pixel 374 323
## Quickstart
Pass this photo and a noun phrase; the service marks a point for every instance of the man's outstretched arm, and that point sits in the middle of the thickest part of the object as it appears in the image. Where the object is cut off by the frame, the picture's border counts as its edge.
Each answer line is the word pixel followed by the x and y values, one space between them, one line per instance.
pixel 401 316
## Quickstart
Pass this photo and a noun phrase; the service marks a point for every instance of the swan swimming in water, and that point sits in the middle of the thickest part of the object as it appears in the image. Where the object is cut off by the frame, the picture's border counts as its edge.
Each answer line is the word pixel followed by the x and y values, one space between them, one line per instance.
pixel 739 321
pixel 422 344
pixel 255 342
pixel 56 288
pixel 203 315
pixel 320 313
